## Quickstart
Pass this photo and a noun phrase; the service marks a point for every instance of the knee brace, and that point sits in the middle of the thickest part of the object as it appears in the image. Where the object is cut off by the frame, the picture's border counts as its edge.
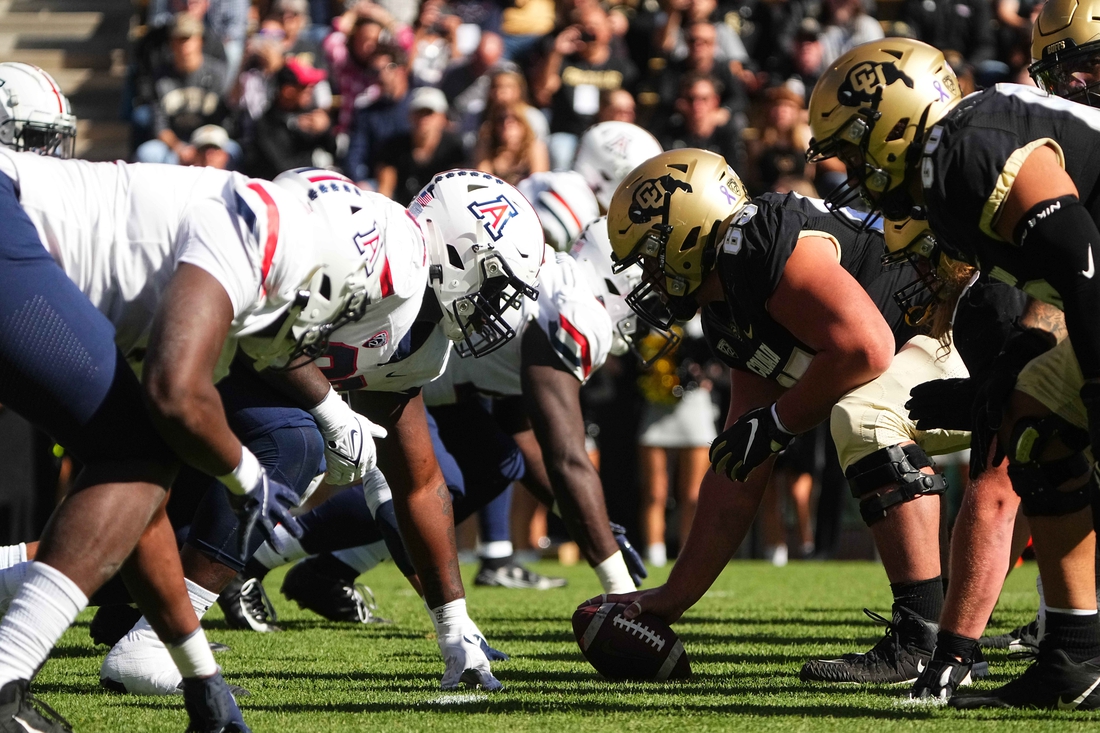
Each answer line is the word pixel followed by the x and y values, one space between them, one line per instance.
pixel 1036 483
pixel 898 469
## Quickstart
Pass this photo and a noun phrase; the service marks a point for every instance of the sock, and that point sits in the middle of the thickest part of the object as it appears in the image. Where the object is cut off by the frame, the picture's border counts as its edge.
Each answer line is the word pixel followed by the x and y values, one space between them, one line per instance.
pixel 11 579
pixel 614 576
pixel 365 557
pixel 495 554
pixel 656 554
pixel 192 655
pixel 923 597
pixel 270 559
pixel 953 645
pixel 332 567
pixel 12 554
pixel 1075 632
pixel 201 598
pixel 45 606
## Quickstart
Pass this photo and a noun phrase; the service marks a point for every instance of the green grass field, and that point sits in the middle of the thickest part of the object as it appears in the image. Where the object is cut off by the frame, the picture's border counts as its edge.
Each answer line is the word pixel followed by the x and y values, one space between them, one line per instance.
pixel 747 639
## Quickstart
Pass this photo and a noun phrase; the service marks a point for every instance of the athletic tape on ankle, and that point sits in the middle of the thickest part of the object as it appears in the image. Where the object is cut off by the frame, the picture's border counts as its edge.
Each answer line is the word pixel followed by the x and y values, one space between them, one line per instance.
pixel 614 575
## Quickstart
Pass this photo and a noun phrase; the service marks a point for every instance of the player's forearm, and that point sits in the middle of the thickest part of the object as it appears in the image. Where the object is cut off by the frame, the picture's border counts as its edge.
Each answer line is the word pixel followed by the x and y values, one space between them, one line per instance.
pixel 426 519
pixel 723 518
pixel 1044 317
pixel 304 384
pixel 579 495
pixel 830 376
pixel 191 419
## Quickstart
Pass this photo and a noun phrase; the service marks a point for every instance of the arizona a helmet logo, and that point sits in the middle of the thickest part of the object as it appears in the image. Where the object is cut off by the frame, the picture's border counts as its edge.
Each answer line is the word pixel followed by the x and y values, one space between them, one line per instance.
pixel 369 244
pixel 618 145
pixel 494 214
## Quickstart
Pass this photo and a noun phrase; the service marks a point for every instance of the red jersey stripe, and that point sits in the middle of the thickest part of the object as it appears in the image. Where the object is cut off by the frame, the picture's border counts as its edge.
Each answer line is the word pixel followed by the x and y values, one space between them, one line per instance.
pixel 582 341
pixel 272 229
pixel 385 279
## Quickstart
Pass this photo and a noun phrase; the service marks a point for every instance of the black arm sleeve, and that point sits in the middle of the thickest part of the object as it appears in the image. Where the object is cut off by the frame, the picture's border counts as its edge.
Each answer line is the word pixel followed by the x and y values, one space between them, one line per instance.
pixel 1061 239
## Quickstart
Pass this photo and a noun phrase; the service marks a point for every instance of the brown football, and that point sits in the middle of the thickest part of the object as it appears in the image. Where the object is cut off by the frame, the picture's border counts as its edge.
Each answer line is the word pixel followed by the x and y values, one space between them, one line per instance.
pixel 644 648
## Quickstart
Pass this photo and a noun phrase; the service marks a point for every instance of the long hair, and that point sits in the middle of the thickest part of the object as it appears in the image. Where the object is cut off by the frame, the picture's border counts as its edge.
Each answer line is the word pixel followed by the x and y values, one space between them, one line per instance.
pixel 954 275
pixel 490 142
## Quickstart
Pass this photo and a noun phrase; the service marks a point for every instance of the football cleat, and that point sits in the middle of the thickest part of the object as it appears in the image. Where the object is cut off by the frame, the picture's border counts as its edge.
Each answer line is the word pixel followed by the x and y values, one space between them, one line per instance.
pixel 111 623
pixel 1021 639
pixel 898 658
pixel 945 674
pixel 1053 682
pixel 211 707
pixel 331 598
pixel 247 607
pixel 19 712
pixel 514 575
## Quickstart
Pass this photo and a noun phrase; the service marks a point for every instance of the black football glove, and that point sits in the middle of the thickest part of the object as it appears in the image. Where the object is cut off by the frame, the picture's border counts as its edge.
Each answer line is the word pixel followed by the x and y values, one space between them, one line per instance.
pixel 993 394
pixel 747 443
pixel 634 563
pixel 267 504
pixel 945 404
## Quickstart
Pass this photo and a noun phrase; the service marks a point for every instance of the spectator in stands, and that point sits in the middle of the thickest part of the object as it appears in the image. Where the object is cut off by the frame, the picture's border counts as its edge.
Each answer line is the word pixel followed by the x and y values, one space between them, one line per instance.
pixel 382 119
pixel 292 133
pixel 616 105
pixel 702 41
pixel 847 25
pixel 523 25
pixel 226 23
pixel 781 148
pixel 508 147
pixel 508 87
pixel 350 47
pixel 408 162
pixel 578 65
pixel 696 123
pixel 806 60
pixel 213 148
pixel 671 39
pixel 466 84
pixel 287 23
pixel 959 25
pixel 435 44
pixel 187 95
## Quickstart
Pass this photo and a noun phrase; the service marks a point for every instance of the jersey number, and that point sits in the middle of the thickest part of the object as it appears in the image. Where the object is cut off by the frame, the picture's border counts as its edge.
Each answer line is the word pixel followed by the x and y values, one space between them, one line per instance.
pixel 338 365
pixel 732 243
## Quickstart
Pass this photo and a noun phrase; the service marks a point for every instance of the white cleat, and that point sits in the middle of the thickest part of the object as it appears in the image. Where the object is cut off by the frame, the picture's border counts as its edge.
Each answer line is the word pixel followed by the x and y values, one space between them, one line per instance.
pixel 140 664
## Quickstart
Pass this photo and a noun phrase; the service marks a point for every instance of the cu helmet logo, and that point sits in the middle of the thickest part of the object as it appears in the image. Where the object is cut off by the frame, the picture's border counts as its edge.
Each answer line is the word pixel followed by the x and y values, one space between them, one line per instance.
pixel 866 82
pixel 494 215
pixel 652 198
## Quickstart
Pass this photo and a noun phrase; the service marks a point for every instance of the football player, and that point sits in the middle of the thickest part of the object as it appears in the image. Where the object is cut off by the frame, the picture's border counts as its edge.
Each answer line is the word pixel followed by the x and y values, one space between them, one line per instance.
pixel 1003 177
pixel 171 268
pixel 449 270
pixel 801 309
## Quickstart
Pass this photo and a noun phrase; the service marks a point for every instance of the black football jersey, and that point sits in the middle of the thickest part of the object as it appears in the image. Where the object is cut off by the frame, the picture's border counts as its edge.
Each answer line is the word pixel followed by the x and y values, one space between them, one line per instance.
pixel 750 261
pixel 971 160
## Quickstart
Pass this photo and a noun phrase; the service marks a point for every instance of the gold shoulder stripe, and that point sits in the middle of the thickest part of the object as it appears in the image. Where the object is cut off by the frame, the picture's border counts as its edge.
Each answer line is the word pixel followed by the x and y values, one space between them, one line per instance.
pixel 993 204
pixel 823 235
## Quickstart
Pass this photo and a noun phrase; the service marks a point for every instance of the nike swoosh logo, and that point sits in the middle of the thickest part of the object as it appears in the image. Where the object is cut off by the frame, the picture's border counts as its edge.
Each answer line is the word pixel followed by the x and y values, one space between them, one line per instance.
pixel 1091 269
pixel 754 423
pixel 920 666
pixel 27 726
pixel 1080 698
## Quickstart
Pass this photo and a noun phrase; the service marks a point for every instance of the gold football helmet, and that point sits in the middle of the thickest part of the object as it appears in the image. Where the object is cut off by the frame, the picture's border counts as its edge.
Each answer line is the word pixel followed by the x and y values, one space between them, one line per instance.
pixel 1065 49
pixel 939 277
pixel 871 109
pixel 670 213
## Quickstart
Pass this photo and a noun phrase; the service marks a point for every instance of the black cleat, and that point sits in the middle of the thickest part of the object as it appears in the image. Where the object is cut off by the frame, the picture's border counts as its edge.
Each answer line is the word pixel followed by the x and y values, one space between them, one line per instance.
pixel 211 707
pixel 1052 682
pixel 113 622
pixel 898 658
pixel 246 606
pixel 19 712
pixel 329 597
pixel 514 575
pixel 1021 639
pixel 945 674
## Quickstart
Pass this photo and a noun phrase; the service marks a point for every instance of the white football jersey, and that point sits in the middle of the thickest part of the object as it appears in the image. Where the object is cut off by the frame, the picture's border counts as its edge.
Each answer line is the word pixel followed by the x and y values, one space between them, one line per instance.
pixel 119 231
pixel 574 321
pixel 382 351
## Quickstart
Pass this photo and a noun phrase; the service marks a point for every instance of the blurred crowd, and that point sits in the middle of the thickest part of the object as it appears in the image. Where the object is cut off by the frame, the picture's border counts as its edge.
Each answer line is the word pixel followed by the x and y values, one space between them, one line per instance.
pixel 394 91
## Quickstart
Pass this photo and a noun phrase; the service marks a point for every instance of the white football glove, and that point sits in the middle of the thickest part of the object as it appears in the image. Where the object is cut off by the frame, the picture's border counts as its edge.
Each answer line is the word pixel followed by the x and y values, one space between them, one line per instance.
pixel 349 440
pixel 465 662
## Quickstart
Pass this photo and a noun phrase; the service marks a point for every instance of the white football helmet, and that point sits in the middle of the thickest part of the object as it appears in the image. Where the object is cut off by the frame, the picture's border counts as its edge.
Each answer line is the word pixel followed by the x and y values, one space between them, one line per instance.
pixel 593 252
pixel 565 205
pixel 608 151
pixel 347 245
pixel 34 114
pixel 485 248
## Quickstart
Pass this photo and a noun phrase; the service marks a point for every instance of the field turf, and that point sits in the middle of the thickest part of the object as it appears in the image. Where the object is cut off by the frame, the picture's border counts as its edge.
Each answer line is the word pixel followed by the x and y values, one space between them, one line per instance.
pixel 747 639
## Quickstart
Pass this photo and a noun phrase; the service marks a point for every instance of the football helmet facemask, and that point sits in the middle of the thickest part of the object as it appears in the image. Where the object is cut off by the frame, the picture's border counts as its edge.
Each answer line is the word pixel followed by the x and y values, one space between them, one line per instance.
pixel 593 254
pixel 872 108
pixel 608 151
pixel 1065 49
pixel 34 114
pixel 485 246
pixel 670 214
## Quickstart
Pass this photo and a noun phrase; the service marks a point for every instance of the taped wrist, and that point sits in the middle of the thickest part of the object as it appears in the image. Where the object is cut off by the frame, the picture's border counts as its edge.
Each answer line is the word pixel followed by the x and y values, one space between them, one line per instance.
pixel 1060 240
pixel 245 477
pixel 330 414
pixel 895 473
